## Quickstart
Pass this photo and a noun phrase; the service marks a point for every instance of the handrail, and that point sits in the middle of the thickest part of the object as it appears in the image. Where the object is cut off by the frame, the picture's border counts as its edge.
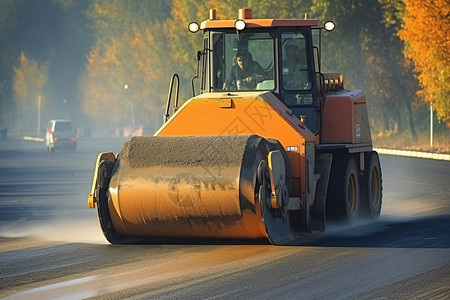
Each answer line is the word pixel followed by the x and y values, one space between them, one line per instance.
pixel 199 53
pixel 169 97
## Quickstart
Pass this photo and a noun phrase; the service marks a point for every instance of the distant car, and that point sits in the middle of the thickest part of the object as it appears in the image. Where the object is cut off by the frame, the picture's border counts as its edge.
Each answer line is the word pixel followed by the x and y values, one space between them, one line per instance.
pixel 60 135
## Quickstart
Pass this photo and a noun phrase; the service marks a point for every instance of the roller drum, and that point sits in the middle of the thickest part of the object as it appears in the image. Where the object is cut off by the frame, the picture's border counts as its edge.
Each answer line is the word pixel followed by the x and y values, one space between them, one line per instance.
pixel 199 187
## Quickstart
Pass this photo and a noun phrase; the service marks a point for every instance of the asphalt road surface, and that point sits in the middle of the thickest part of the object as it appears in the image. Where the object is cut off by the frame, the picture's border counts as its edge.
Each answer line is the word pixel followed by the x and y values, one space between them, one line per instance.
pixel 51 245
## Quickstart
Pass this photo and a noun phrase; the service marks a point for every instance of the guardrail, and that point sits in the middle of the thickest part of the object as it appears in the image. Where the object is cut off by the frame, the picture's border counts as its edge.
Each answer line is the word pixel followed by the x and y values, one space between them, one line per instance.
pixel 418 154
pixel 30 138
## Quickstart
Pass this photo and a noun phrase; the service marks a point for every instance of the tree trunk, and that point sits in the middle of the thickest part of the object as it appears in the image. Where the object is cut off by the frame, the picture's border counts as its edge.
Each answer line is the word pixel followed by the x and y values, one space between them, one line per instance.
pixel 410 120
pixel 409 115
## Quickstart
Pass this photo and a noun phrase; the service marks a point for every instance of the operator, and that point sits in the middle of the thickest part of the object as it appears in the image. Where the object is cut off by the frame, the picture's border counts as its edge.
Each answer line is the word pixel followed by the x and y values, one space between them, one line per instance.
pixel 245 74
pixel 295 74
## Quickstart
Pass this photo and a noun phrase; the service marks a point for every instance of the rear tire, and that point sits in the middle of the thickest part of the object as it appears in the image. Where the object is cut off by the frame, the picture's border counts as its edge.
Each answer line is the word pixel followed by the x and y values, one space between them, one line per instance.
pixel 343 200
pixel 371 186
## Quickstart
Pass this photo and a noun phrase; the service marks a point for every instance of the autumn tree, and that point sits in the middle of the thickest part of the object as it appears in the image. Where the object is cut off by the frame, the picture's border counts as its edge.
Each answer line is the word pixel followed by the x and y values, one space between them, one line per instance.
pixel 128 51
pixel 368 52
pixel 8 21
pixel 426 34
pixel 29 95
pixel 389 78
pixel 125 81
pixel 54 34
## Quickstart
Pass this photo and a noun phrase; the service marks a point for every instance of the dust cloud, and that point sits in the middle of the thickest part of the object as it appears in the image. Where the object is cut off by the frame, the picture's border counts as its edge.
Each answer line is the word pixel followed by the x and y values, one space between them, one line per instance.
pixel 73 231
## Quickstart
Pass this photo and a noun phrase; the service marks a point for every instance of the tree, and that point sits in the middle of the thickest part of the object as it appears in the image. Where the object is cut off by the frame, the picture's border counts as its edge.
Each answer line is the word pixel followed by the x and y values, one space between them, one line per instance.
pixel 388 77
pixel 8 21
pixel 130 49
pixel 368 52
pixel 425 32
pixel 53 33
pixel 29 81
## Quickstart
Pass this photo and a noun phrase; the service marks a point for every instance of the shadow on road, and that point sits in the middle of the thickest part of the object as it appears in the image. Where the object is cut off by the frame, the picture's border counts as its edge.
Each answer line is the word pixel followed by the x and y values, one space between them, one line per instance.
pixel 427 232
pixel 391 232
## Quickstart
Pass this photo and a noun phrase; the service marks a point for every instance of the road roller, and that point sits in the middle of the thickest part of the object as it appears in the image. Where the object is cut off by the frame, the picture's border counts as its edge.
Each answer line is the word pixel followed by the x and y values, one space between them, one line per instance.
pixel 268 146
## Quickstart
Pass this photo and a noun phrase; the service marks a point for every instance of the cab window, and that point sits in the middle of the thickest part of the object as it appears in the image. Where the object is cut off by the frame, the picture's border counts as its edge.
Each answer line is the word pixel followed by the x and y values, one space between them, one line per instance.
pixel 243 62
pixel 295 75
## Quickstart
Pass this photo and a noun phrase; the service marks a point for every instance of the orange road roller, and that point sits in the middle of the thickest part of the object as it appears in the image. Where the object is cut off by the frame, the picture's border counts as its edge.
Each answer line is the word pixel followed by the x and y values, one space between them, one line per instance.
pixel 268 147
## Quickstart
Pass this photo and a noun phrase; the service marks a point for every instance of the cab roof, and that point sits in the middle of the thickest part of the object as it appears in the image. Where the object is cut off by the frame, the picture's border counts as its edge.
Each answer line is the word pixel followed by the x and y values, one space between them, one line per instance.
pixel 257 23
pixel 246 15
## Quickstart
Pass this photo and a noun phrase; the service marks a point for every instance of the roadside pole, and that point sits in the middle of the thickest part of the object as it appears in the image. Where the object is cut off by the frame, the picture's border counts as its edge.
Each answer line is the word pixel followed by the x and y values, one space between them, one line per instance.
pixel 431 125
pixel 39 117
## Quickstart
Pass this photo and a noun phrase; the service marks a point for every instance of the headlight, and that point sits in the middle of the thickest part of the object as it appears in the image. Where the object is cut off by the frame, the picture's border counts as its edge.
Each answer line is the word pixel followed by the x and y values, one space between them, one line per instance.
pixel 193 27
pixel 239 24
pixel 329 26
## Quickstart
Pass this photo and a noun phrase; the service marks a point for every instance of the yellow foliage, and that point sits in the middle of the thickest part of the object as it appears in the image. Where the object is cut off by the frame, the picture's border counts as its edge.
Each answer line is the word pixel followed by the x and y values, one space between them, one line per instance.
pixel 426 33
pixel 28 85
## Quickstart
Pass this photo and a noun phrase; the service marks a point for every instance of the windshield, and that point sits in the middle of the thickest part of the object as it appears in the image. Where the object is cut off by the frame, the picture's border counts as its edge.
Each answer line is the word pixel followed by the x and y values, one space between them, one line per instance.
pixel 243 62
pixel 61 126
